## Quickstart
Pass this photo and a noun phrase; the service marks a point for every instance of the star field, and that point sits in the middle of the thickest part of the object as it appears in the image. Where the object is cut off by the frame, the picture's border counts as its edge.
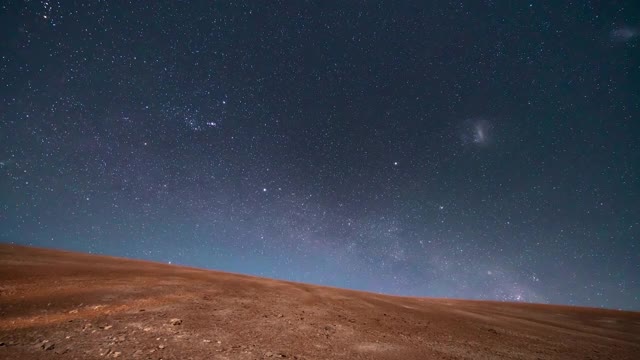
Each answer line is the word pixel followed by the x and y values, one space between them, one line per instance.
pixel 486 150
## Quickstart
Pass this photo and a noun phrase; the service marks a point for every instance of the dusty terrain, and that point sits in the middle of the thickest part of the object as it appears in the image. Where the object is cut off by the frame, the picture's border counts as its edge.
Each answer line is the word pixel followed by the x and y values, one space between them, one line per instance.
pixel 65 305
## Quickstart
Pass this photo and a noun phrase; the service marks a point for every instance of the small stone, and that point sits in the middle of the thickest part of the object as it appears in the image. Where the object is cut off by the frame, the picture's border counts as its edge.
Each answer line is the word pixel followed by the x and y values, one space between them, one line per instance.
pixel 48 346
pixel 280 315
pixel 204 341
pixel 268 354
pixel 64 351
pixel 160 346
pixel 116 354
pixel 2 343
pixel 175 321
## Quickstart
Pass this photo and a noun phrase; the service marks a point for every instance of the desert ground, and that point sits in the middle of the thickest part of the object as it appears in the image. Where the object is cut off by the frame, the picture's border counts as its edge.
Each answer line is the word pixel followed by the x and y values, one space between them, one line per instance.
pixel 64 305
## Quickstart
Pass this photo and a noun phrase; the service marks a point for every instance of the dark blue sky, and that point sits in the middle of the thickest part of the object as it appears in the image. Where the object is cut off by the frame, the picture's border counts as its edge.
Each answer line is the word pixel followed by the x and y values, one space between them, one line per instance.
pixel 486 150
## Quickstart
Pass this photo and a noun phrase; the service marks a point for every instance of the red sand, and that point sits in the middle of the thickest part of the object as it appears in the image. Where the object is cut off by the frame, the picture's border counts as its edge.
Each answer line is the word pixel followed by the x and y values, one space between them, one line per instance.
pixel 66 305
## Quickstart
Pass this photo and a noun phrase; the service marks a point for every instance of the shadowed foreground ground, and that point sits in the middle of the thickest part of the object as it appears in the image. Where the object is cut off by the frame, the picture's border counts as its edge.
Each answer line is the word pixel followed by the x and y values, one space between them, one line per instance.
pixel 65 305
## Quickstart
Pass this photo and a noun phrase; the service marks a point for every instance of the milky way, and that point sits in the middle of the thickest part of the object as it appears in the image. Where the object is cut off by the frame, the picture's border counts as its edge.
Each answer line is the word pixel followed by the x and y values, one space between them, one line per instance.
pixel 453 150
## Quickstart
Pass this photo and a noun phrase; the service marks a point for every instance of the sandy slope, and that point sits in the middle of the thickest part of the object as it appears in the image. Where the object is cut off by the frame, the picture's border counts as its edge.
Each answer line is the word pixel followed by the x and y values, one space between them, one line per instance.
pixel 67 305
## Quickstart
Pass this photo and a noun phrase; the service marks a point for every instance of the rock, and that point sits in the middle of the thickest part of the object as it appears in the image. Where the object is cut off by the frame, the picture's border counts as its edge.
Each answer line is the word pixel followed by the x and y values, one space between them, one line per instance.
pixel 175 322
pixel 46 345
pixel 2 343
pixel 63 351
pixel 161 346
pixel 268 354
pixel 105 327
pixel 116 354
pixel 493 331
pixel 280 315
pixel 204 341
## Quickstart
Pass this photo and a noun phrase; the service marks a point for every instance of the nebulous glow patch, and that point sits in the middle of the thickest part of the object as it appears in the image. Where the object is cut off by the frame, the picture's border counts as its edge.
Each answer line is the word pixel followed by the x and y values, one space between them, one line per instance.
pixel 476 131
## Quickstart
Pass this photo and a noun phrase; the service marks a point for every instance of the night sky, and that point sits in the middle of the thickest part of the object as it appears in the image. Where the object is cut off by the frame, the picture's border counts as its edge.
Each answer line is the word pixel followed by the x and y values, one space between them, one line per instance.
pixel 480 149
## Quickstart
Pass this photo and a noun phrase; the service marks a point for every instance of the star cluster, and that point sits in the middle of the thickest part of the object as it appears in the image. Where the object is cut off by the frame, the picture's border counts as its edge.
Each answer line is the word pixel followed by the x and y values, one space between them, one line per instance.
pixel 480 150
